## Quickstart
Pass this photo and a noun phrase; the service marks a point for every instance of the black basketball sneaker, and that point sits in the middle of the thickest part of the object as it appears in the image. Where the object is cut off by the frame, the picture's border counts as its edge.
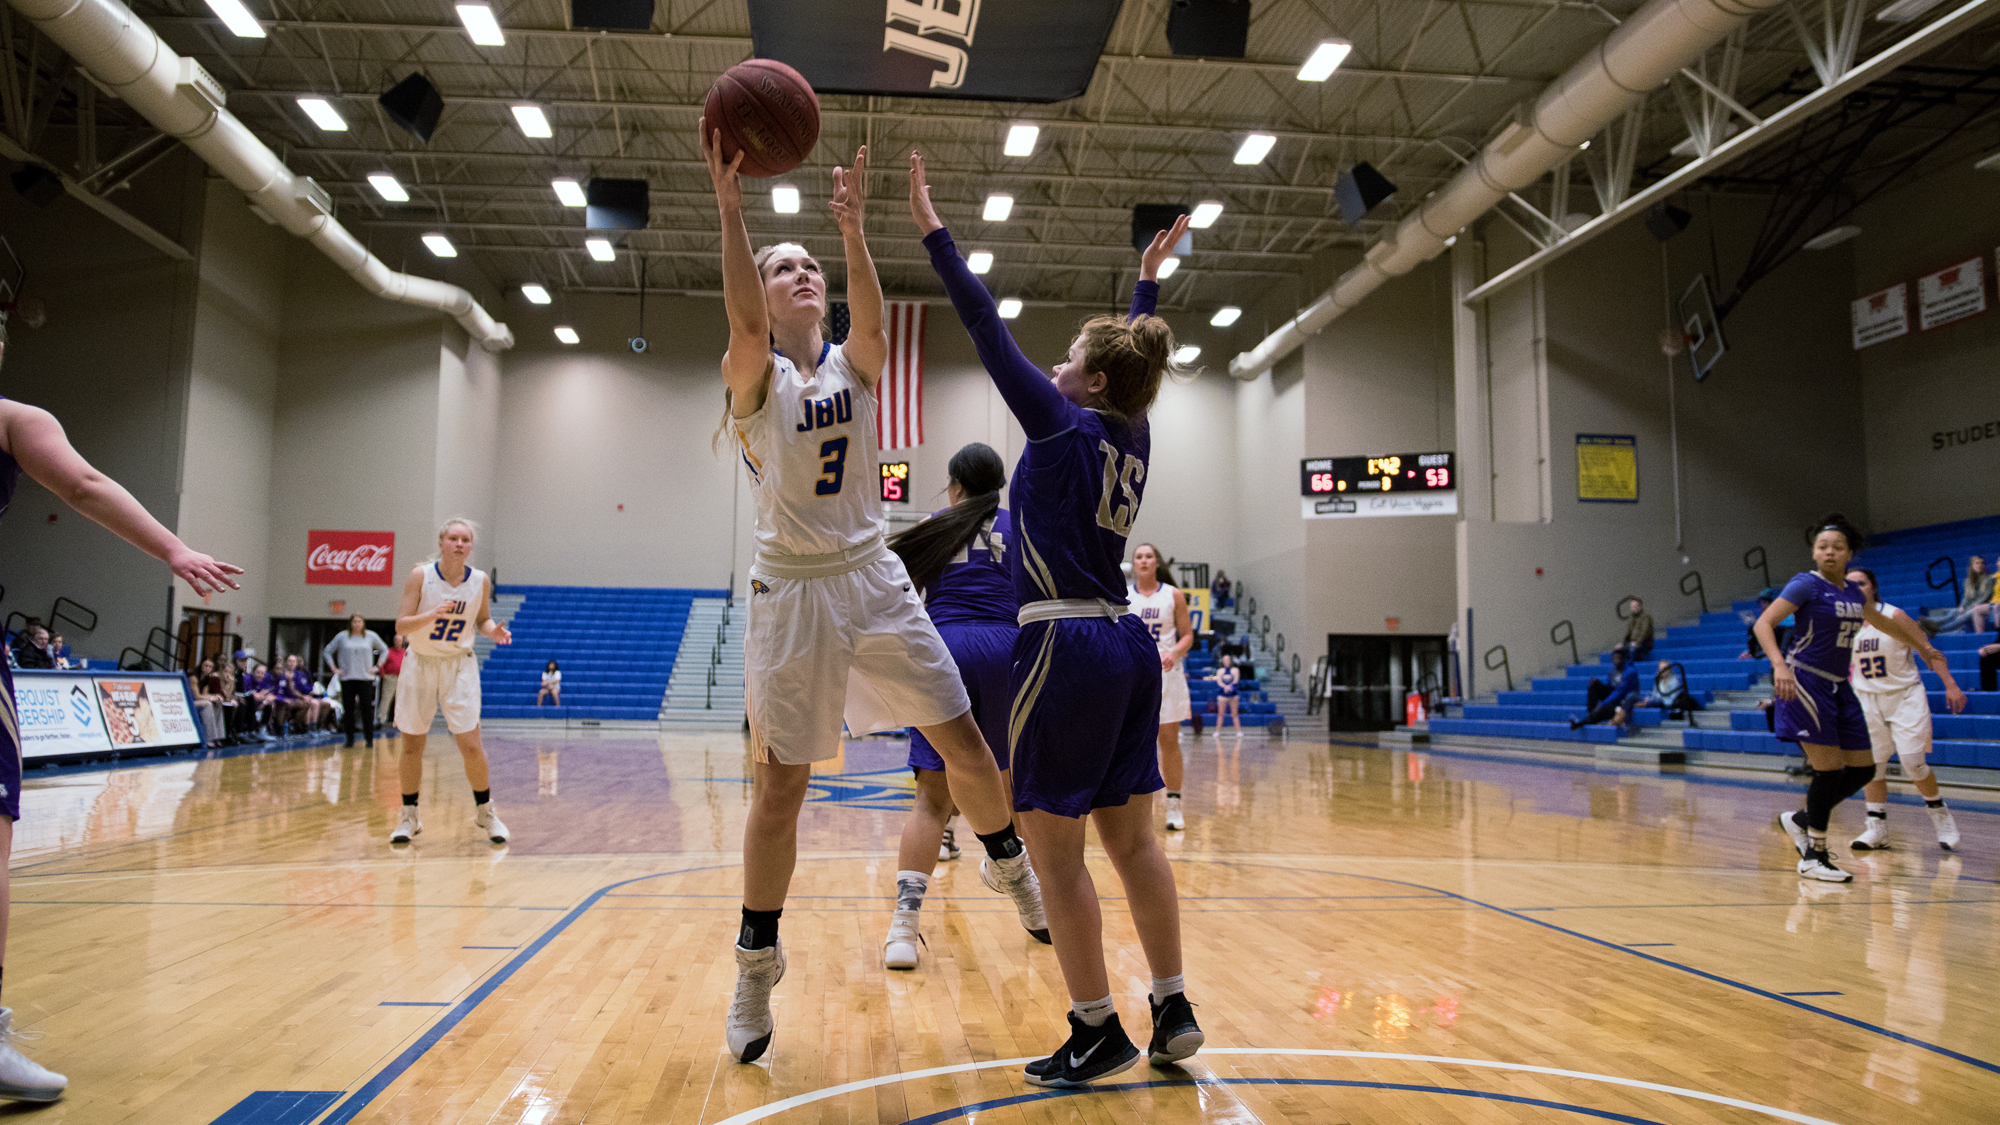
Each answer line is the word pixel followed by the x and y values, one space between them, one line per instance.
pixel 1091 1053
pixel 1175 1034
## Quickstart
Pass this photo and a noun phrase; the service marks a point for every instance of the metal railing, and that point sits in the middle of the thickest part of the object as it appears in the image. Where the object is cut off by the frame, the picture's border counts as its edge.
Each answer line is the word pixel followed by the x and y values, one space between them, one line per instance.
pixel 1295 671
pixel 56 614
pixel 1951 580
pixel 1697 591
pixel 144 664
pixel 1758 562
pixel 1568 631
pixel 1194 576
pixel 1502 666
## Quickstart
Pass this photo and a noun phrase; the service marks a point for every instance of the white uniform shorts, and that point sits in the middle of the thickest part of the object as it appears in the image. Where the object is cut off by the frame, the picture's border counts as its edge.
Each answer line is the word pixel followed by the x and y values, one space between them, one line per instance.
pixel 855 645
pixel 1174 705
pixel 432 682
pixel 1898 721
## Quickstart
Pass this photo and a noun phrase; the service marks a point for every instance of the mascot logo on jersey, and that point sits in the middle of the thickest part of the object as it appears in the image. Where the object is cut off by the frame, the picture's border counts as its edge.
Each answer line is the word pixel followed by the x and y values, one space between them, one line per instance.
pixel 759 587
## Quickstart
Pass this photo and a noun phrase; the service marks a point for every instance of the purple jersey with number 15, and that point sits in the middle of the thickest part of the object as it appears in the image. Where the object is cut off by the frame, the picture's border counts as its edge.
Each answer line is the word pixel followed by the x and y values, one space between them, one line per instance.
pixel 1074 498
pixel 1827 619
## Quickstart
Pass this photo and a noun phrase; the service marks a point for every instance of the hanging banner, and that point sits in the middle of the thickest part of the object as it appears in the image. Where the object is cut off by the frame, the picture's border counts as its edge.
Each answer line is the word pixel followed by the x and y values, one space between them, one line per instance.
pixel 1882 316
pixel 1607 468
pixel 1018 50
pixel 1951 294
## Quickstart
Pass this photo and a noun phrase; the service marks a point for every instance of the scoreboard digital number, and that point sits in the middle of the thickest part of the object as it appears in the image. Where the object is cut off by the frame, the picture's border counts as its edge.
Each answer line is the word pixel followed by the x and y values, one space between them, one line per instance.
pixel 895 482
pixel 1394 484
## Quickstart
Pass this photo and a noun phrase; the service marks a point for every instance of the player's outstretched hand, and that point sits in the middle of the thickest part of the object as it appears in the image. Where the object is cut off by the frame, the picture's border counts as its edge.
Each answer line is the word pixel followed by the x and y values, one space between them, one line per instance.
pixel 723 174
pixel 920 197
pixel 205 574
pixel 502 635
pixel 1161 249
pixel 850 194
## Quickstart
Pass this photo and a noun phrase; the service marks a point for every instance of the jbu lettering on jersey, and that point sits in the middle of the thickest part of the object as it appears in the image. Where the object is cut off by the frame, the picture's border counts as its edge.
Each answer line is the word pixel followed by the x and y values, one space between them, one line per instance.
pixel 832 410
pixel 1869 644
pixel 1152 619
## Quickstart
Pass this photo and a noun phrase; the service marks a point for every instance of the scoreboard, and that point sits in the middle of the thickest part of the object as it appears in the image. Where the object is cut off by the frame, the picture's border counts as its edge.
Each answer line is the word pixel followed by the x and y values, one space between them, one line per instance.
pixel 896 482
pixel 1391 484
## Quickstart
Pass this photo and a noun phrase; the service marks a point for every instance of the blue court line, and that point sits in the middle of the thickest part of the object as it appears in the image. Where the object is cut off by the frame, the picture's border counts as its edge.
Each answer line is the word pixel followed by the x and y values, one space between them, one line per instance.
pixel 1043 1095
pixel 1645 944
pixel 414 1004
pixel 1812 994
pixel 278 1107
pixel 1716 978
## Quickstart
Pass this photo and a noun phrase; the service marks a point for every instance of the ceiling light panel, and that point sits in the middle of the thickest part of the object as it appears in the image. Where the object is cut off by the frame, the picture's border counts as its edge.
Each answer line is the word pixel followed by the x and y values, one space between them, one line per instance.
pixel 535 293
pixel 1225 316
pixel 533 122
pixel 237 18
pixel 1187 353
pixel 323 114
pixel 1010 308
pixel 1255 148
pixel 566 334
pixel 570 192
pixel 600 248
pixel 1021 140
pixel 386 186
pixel 440 245
pixel 1168 267
pixel 785 199
pixel 1325 59
pixel 998 207
pixel 1205 214
pixel 979 260
pixel 481 26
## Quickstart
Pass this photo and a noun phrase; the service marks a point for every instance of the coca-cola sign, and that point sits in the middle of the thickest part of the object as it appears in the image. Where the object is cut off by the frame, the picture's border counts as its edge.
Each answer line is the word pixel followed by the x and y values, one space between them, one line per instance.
pixel 350 558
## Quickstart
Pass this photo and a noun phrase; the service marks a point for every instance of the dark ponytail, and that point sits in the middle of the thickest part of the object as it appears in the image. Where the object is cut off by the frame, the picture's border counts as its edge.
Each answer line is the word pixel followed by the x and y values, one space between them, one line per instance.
pixel 928 547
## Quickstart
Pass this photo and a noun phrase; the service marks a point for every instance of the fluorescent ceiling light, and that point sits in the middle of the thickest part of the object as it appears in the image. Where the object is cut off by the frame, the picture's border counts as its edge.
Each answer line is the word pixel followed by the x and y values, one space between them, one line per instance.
pixel 1255 148
pixel 481 26
pixel 1831 238
pixel 535 293
pixel 1021 140
pixel 1903 11
pixel 566 334
pixel 1326 58
pixel 533 121
pixel 1010 308
pixel 1187 353
pixel 237 18
pixel 1225 316
pixel 323 114
pixel 1205 214
pixel 441 246
pixel 998 207
pixel 569 191
pixel 600 248
pixel 785 199
pixel 980 260
pixel 1168 267
pixel 386 186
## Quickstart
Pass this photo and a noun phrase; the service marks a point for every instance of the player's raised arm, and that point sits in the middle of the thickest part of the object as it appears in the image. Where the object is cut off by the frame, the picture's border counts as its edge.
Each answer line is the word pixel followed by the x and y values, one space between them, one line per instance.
pixel 746 365
pixel 1146 294
pixel 867 346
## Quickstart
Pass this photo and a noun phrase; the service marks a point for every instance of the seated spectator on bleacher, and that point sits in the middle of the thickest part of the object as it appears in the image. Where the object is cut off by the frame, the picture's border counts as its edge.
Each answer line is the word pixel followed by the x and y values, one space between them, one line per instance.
pixel 31 647
pixel 1972 606
pixel 260 691
pixel 1752 649
pixel 60 649
pixel 1612 695
pixel 295 689
pixel 1989 667
pixel 221 685
pixel 1638 642
pixel 1670 692
pixel 1219 589
pixel 207 704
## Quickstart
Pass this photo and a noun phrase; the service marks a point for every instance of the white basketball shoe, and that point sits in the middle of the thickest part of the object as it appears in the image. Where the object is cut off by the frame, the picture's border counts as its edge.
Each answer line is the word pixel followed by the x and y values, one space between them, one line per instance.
pixel 750 1025
pixel 1947 828
pixel 488 822
pixel 904 946
pixel 407 825
pixel 1875 835
pixel 1015 878
pixel 22 1078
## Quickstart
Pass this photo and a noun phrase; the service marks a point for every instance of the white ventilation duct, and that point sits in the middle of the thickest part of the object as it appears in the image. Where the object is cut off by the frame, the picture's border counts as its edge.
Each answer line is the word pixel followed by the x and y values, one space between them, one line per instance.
pixel 1640 55
pixel 118 52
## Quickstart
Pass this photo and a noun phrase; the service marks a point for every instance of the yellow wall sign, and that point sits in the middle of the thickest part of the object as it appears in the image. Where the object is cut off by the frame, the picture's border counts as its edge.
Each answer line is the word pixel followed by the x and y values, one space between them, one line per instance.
pixel 1197 601
pixel 1607 468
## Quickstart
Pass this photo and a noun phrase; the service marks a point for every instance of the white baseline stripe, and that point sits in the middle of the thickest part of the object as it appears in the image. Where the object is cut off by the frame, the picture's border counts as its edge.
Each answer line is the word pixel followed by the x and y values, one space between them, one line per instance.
pixel 764 1112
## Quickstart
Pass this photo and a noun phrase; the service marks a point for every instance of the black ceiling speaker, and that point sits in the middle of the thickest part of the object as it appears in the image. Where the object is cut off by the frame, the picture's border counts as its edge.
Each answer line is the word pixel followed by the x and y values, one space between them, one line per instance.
pixel 37 184
pixel 1665 220
pixel 1149 219
pixel 1360 190
pixel 1214 29
pixel 612 15
pixel 615 205
pixel 414 104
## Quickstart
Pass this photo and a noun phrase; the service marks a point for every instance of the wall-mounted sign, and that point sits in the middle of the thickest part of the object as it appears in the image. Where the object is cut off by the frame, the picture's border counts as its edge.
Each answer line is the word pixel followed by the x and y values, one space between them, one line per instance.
pixel 1881 316
pixel 59 714
pixel 146 712
pixel 895 482
pixel 68 713
pixel 1607 468
pixel 1019 51
pixel 1953 293
pixel 350 558
pixel 1391 484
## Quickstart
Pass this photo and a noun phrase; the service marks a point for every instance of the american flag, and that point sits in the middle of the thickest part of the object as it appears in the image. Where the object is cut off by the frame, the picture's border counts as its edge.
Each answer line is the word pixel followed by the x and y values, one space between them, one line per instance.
pixel 899 420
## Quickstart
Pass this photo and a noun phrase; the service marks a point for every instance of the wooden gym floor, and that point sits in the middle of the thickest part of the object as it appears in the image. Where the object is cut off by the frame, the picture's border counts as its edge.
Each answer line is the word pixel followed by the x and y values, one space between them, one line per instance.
pixel 1373 936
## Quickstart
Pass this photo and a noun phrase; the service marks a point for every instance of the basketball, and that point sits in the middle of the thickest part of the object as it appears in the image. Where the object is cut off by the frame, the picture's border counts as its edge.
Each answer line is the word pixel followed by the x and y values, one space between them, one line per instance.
pixel 766 111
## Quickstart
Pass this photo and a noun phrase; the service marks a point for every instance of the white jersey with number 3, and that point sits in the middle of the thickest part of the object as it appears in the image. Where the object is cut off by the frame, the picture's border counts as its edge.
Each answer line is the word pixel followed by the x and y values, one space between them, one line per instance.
pixel 455 629
pixel 812 459
pixel 1882 663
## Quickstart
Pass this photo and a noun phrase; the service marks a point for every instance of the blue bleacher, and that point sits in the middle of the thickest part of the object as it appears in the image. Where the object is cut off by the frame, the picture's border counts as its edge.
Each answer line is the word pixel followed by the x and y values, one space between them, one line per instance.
pixel 616 647
pixel 1253 707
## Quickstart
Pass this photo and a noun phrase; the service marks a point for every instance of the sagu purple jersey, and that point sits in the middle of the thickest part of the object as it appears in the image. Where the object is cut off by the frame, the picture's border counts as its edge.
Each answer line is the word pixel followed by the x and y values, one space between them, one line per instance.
pixel 1075 496
pixel 1827 619
pixel 975 588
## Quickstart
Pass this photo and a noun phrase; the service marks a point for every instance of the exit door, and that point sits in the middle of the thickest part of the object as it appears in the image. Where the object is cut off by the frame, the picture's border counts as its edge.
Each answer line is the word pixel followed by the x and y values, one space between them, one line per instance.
pixel 1370 674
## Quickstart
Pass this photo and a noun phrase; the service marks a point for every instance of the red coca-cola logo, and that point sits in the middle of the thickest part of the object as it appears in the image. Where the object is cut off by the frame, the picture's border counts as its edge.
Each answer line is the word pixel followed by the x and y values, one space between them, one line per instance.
pixel 350 558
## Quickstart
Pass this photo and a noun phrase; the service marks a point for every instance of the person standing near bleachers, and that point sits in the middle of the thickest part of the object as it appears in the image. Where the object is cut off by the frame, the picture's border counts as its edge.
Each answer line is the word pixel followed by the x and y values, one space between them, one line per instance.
pixel 356 657
pixel 1817 707
pixel 1226 700
pixel 1898 710
pixel 446 603
pixel 392 669
pixel 834 627
pixel 1163 610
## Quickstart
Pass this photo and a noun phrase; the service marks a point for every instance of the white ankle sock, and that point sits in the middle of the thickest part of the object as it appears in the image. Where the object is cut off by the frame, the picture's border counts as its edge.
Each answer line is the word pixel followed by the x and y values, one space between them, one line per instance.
pixel 1093 1012
pixel 1164 987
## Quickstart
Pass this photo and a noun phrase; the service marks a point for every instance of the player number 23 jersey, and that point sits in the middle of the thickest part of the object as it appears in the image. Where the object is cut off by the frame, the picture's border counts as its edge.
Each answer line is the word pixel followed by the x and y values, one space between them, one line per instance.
pixel 1883 663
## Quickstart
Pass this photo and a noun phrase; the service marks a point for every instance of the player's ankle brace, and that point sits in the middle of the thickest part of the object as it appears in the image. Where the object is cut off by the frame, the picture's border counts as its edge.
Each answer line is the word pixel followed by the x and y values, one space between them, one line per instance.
pixel 481 796
pixel 410 799
pixel 1003 844
pixel 760 928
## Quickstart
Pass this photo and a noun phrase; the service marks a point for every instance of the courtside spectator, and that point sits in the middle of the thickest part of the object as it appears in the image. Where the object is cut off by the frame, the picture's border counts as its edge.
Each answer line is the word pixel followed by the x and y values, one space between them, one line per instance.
pixel 392 667
pixel 1617 693
pixel 1972 606
pixel 1988 610
pixel 260 689
pixel 295 688
pixel 207 704
pixel 1638 642
pixel 64 658
pixel 1670 693
pixel 222 685
pixel 31 646
pixel 1219 589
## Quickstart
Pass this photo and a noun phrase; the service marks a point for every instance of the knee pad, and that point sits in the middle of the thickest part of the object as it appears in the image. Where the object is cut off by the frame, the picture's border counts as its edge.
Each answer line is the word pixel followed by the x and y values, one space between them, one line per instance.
pixel 1854 777
pixel 1915 767
pixel 1881 772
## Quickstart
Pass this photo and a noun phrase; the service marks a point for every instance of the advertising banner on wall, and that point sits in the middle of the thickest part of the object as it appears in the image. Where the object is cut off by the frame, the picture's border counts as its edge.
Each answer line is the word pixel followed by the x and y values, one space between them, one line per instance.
pixel 350 558
pixel 1953 293
pixel 67 713
pixel 1607 468
pixel 146 712
pixel 1882 316
pixel 1017 50
pixel 59 714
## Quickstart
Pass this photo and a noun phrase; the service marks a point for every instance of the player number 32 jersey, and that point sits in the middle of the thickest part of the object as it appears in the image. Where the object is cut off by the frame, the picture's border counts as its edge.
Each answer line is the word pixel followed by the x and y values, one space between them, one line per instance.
pixel 456 626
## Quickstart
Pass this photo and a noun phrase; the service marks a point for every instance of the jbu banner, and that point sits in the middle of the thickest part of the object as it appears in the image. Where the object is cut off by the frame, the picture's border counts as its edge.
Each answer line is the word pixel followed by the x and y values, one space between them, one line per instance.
pixel 1003 50
pixel 350 558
